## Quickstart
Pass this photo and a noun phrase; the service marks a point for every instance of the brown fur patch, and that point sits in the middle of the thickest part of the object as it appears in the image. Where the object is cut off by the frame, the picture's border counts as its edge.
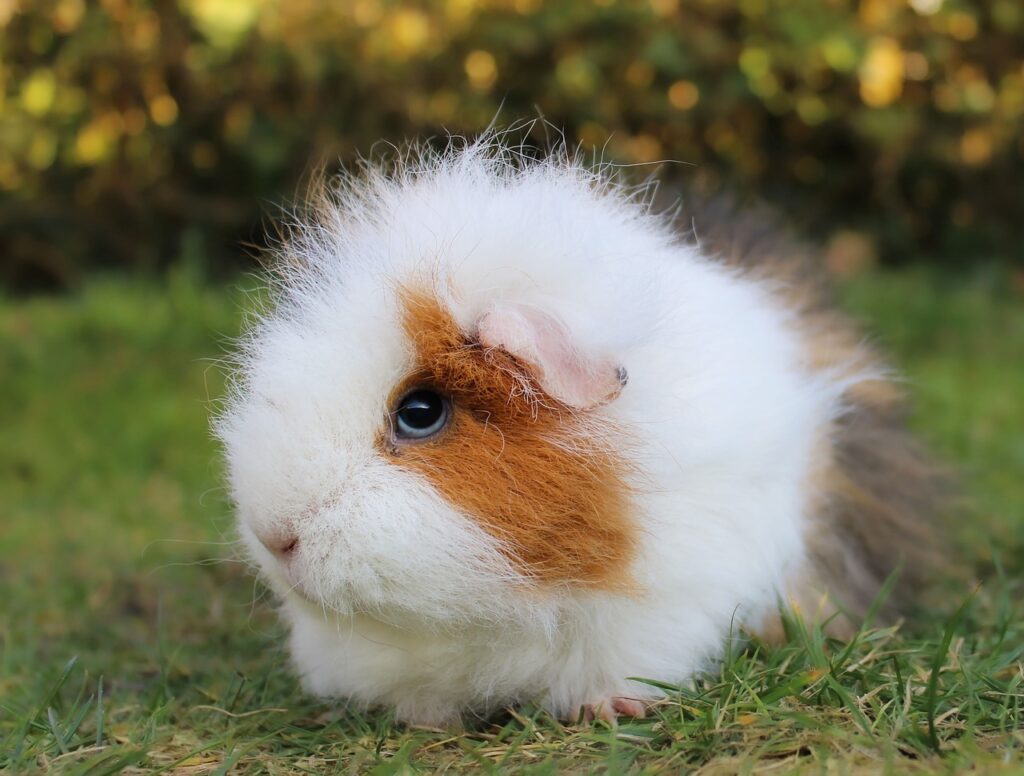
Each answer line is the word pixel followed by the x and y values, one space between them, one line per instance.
pixel 512 458
pixel 875 497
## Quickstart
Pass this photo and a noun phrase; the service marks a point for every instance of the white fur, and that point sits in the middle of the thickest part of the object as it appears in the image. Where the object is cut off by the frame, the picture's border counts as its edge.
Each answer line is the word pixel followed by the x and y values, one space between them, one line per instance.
pixel 396 598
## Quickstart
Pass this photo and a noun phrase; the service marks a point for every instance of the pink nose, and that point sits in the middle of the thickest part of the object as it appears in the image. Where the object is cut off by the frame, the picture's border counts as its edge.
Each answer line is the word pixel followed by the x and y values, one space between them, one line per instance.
pixel 281 544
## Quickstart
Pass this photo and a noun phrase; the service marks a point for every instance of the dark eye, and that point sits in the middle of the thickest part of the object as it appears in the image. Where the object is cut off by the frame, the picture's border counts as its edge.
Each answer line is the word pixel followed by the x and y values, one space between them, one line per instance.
pixel 420 414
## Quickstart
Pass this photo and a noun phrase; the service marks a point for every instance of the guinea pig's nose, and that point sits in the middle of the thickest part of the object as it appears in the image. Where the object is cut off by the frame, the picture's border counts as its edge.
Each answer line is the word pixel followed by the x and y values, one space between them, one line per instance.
pixel 282 544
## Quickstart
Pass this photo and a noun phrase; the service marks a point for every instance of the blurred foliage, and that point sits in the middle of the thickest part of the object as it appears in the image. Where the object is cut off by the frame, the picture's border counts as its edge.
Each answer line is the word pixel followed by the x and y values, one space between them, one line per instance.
pixel 136 131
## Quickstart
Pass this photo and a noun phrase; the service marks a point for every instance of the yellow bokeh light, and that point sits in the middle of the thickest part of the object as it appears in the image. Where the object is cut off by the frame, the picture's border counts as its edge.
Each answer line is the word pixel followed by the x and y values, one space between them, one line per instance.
pixel 683 95
pixel 576 74
pixel 976 146
pixel 839 53
pixel 7 9
pixel 366 12
pixel 878 14
pixel 38 92
pixel 664 7
pixel 145 33
pixel 755 62
pixel 481 69
pixel 962 26
pixel 410 31
pixel 915 65
pixel 67 15
pixel 926 7
pixel 224 22
pixel 979 96
pixel 460 10
pixel 1011 95
pixel 163 109
pixel 811 109
pixel 643 148
pixel 93 143
pixel 881 73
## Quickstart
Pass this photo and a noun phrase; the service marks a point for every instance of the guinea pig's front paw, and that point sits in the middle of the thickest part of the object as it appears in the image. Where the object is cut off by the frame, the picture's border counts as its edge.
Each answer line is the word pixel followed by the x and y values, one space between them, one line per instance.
pixel 610 709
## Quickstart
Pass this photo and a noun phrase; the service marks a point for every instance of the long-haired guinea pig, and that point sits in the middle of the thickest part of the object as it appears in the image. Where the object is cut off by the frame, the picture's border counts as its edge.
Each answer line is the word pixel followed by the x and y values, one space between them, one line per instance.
pixel 506 434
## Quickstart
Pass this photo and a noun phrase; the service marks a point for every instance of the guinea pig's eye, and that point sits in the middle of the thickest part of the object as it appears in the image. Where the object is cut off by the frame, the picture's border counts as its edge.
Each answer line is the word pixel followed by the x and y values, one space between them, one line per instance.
pixel 421 414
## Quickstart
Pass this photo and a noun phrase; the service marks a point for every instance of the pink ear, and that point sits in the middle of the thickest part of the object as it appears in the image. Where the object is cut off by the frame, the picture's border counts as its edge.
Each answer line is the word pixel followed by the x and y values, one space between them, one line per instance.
pixel 575 378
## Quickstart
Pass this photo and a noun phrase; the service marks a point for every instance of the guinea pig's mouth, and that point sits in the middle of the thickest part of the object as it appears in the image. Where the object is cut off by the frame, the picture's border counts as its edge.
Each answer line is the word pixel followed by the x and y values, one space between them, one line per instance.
pixel 291 583
pixel 292 586
pixel 327 608
pixel 287 584
pixel 344 602
pixel 298 591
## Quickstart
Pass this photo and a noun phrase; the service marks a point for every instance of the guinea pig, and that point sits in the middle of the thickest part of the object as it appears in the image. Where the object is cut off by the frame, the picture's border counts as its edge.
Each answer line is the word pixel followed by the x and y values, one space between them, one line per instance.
pixel 507 434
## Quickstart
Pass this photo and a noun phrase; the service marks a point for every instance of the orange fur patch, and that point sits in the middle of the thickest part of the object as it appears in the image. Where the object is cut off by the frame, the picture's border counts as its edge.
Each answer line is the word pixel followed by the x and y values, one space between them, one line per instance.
pixel 515 460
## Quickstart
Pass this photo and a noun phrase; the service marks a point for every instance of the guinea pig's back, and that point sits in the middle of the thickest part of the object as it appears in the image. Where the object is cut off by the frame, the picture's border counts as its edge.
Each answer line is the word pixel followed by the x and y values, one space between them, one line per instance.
pixel 877 497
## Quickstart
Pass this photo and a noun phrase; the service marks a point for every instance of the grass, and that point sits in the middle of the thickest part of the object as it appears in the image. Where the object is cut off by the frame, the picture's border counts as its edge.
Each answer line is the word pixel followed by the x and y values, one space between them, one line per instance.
pixel 131 642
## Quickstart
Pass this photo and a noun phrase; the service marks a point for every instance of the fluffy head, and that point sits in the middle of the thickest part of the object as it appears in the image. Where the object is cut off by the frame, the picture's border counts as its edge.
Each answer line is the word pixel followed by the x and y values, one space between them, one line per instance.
pixel 430 277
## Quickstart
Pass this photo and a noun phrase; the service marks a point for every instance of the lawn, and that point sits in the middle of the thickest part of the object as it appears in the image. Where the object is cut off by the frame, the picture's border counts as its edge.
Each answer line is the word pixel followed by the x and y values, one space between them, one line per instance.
pixel 132 640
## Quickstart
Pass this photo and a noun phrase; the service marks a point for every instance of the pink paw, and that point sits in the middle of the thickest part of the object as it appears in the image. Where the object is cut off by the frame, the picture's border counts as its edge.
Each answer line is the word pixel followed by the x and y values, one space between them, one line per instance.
pixel 611 709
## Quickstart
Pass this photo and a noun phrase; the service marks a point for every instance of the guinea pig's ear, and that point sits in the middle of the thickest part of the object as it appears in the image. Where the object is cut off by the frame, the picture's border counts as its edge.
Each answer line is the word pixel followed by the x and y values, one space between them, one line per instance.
pixel 576 378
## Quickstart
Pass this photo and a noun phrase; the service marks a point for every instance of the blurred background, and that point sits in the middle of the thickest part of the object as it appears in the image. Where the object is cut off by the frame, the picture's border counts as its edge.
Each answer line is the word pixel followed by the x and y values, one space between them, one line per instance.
pixel 147 145
pixel 135 133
